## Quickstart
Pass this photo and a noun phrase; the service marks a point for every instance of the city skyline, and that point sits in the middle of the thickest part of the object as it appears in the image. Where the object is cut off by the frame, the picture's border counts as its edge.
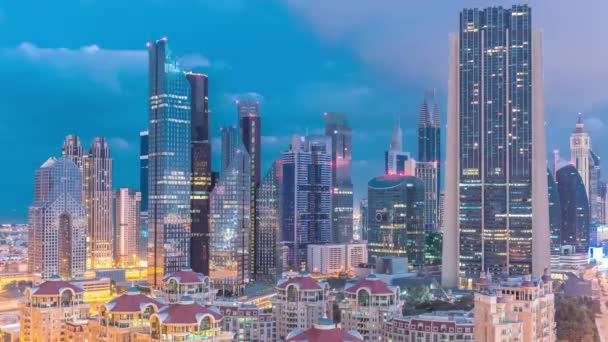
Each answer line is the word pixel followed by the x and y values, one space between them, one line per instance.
pixel 362 84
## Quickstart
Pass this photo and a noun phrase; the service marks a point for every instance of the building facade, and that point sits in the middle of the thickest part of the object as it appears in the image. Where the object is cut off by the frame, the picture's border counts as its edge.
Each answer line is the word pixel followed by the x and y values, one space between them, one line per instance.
pixel 458 326
pixel 201 182
pixel 127 227
pixel 247 323
pixel 324 330
pixel 580 148
pixel 574 209
pixel 364 220
pixel 428 165
pixel 496 181
pixel 555 216
pixel 143 187
pixel 396 218
pixel 269 264
pixel 231 142
pixel 57 222
pixel 338 128
pixel 230 223
pixel 189 283
pixel 334 259
pixel 368 305
pixel 169 162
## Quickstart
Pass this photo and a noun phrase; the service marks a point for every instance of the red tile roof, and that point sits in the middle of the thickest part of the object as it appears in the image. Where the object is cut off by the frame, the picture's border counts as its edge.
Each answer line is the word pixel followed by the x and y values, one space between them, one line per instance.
pixel 186 313
pixel 186 276
pixel 323 332
pixel 375 286
pixel 132 301
pixel 303 282
pixel 54 287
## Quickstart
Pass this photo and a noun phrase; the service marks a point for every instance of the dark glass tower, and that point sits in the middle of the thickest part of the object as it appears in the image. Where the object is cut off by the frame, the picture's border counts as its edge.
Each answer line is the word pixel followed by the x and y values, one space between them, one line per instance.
pixel 268 214
pixel 231 141
pixel 555 215
pixel 497 217
pixel 250 128
pixel 574 208
pixel 200 185
pixel 169 162
pixel 143 186
pixel 338 128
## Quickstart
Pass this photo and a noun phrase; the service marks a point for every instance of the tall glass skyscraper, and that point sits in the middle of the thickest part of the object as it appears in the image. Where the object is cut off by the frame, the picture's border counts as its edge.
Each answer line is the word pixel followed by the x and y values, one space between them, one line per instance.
pixel 555 215
pixel 143 186
pixel 395 158
pixel 169 162
pixel 231 141
pixel 338 128
pixel 57 222
pixel 250 129
pixel 395 216
pixel 230 226
pixel 574 209
pixel 496 182
pixel 201 181
pixel 269 266
pixel 428 165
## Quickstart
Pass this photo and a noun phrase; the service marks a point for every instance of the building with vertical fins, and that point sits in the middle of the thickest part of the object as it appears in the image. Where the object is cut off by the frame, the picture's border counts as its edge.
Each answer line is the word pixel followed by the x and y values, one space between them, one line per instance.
pixel 250 129
pixel 338 128
pixel 98 187
pixel 230 227
pixel 200 182
pixel 127 227
pixel 395 158
pixel 497 217
pixel 580 148
pixel 269 265
pixel 57 222
pixel 169 164
pixel 231 141
pixel 396 218
pixel 574 209
pixel 143 186
pixel 428 165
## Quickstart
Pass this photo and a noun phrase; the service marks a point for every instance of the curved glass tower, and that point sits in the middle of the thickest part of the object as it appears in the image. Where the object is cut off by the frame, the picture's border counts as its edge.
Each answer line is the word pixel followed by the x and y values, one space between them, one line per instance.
pixel 574 208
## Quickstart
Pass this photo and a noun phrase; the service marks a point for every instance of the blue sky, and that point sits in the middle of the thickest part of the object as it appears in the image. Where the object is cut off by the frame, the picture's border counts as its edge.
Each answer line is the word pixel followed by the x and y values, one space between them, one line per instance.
pixel 79 67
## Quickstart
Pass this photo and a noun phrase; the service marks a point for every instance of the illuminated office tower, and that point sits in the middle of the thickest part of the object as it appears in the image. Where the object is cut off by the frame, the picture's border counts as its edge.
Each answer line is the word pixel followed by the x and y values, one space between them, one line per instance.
pixel 230 226
pixel 580 148
pixel 143 186
pixel 98 186
pixel 338 128
pixel 72 149
pixel 57 222
pixel 250 129
pixel 201 181
pixel 127 227
pixel 496 179
pixel 364 220
pixel 231 141
pixel 555 217
pixel 169 164
pixel 428 173
pixel 396 218
pixel 574 209
pixel 595 200
pixel 268 262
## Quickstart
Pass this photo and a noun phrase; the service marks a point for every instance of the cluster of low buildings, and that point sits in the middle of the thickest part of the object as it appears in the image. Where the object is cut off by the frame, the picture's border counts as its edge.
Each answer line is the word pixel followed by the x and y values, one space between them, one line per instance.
pixel 186 307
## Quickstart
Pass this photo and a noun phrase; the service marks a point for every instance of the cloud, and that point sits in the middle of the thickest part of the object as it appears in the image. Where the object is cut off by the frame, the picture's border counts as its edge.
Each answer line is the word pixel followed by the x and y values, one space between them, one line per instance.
pixel 194 61
pixel 329 96
pixel 103 65
pixel 275 140
pixel 233 97
pixel 595 125
pixel 118 143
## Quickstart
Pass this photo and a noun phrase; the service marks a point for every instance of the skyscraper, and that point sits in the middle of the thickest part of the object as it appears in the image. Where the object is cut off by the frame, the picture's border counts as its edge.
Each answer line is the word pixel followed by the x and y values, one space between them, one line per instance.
pixel 268 262
pixel 143 186
pixel 305 197
pixel 250 129
pixel 57 221
pixel 574 209
pixel 230 226
pixel 338 128
pixel 580 147
pixel 496 182
pixel 201 180
pixel 395 158
pixel 555 216
pixel 230 143
pixel 72 150
pixel 364 219
pixel 169 164
pixel 595 174
pixel 98 187
pixel 428 165
pixel 127 226
pixel 396 218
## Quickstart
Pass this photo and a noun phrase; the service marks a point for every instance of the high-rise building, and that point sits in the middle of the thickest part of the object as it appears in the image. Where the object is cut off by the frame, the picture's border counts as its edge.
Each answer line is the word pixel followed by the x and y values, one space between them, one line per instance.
pixel 364 220
pixel 428 165
pixel 127 226
pixel 72 149
pixel 574 209
pixel 396 218
pixel 57 222
pixel 496 182
pixel 555 217
pixel 338 128
pixel 580 148
pixel 305 197
pixel 169 161
pixel 250 129
pixel 595 200
pixel 441 211
pixel 201 178
pixel 395 158
pixel 98 186
pixel 143 186
pixel 268 261
pixel 230 226
pixel 231 141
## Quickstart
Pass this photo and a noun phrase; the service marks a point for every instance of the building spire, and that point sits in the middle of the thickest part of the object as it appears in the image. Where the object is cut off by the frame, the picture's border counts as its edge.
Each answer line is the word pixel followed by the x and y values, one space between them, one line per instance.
pixel 580 126
pixel 397 137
